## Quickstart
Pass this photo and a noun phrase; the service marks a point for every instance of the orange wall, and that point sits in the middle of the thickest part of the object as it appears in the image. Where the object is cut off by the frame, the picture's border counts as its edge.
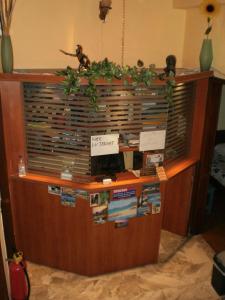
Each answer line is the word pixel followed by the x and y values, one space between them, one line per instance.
pixel 194 34
pixel 40 27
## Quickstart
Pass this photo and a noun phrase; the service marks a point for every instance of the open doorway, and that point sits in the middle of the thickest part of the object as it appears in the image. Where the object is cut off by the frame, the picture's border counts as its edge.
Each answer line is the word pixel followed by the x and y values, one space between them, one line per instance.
pixel 214 227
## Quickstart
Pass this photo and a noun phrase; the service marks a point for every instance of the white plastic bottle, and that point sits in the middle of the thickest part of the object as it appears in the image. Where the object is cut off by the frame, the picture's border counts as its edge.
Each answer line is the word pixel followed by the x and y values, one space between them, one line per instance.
pixel 21 167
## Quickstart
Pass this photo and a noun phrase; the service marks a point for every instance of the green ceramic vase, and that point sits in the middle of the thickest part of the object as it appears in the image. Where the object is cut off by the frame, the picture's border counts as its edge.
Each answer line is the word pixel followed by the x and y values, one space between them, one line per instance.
pixel 7 54
pixel 206 55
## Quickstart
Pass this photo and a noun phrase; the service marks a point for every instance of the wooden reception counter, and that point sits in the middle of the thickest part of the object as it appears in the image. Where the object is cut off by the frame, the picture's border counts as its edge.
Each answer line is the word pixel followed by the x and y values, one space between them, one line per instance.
pixel 50 131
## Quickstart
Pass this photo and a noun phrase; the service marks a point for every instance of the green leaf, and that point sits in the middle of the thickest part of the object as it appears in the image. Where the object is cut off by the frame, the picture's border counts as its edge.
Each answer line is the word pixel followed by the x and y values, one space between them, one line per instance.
pixel 109 71
pixel 208 30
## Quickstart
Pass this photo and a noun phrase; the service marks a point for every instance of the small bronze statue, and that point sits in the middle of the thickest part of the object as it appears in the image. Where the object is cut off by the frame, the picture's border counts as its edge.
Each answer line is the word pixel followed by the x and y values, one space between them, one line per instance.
pixel 170 69
pixel 84 62
pixel 104 7
pixel 140 63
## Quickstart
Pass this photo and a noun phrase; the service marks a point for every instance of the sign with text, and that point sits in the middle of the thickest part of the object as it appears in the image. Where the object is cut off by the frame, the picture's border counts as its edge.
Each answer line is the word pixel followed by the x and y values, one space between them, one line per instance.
pixel 152 140
pixel 104 144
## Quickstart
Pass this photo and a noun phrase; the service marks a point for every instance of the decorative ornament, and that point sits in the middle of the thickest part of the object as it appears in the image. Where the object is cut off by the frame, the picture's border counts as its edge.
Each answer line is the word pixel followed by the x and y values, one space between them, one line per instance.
pixel 170 69
pixel 210 8
pixel 206 53
pixel 104 7
pixel 84 62
pixel 6 13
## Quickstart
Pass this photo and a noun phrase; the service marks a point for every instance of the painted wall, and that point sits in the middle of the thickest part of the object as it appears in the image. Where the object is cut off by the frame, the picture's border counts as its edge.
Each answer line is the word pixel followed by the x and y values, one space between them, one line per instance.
pixel 190 3
pixel 39 29
pixel 153 29
pixel 194 34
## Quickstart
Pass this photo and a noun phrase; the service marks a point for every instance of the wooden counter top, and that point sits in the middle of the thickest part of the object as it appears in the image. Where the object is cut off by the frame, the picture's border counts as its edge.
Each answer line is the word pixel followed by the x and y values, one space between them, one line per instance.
pixel 43 75
pixel 123 179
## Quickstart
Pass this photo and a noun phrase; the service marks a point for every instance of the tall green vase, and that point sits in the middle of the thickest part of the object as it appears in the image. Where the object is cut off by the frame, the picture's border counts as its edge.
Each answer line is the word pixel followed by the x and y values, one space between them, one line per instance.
pixel 7 54
pixel 206 55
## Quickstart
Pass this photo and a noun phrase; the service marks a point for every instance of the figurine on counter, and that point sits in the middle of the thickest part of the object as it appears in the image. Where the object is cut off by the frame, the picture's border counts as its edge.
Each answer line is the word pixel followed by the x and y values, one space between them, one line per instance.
pixel 104 7
pixel 140 63
pixel 84 61
pixel 170 69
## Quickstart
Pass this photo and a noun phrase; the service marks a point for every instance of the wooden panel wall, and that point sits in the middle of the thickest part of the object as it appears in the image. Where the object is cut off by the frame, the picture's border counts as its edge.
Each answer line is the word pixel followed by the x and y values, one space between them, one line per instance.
pixel 177 203
pixel 4 189
pixel 206 153
pixel 13 123
pixel 199 118
pixel 66 238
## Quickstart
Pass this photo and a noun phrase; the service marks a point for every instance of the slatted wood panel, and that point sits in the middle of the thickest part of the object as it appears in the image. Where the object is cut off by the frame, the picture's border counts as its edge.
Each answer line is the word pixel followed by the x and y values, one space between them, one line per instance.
pixel 58 128
pixel 179 125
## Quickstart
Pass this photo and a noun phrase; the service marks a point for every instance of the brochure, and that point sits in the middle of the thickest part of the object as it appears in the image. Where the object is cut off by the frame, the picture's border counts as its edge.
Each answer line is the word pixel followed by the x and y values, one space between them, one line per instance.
pixel 100 214
pixel 143 208
pixel 122 209
pixel 99 199
pixel 82 194
pixel 54 190
pixel 68 197
pixel 123 193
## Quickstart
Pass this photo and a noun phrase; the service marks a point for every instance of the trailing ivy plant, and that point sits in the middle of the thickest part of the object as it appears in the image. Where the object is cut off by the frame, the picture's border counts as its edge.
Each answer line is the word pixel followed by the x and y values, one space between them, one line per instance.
pixel 108 70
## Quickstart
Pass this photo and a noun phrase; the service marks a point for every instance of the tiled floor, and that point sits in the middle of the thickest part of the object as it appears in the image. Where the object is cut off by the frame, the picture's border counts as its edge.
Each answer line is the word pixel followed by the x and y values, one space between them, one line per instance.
pixel 184 272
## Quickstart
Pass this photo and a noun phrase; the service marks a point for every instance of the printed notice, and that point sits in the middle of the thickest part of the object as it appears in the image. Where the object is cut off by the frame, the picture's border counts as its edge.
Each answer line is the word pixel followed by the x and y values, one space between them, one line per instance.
pixel 152 140
pixel 104 144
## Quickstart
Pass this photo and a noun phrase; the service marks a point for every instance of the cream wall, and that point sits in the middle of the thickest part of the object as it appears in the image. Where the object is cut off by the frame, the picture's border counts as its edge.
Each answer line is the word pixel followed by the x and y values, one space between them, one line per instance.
pixel 40 27
pixel 194 33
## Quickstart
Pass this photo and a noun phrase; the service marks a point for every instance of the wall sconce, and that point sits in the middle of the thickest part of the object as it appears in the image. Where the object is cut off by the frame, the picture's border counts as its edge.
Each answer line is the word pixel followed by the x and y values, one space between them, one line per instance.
pixel 104 7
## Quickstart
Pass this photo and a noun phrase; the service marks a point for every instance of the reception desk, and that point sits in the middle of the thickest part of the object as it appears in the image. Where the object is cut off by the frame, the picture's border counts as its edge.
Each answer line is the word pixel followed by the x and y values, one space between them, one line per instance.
pixel 52 131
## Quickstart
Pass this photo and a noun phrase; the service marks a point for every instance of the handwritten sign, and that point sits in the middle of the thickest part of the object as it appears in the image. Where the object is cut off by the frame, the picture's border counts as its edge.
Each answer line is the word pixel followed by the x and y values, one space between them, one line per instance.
pixel 104 144
pixel 152 140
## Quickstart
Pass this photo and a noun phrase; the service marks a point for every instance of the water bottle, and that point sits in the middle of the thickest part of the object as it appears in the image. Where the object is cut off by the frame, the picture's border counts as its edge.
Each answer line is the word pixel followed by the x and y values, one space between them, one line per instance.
pixel 21 167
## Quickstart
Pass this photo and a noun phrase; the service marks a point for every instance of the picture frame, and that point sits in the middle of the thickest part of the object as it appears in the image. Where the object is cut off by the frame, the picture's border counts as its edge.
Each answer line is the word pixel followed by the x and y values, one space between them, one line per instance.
pixel 94 199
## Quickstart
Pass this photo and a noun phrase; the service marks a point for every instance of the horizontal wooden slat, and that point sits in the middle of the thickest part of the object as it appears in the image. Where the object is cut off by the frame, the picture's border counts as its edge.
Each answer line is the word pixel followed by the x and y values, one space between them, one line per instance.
pixel 179 120
pixel 59 127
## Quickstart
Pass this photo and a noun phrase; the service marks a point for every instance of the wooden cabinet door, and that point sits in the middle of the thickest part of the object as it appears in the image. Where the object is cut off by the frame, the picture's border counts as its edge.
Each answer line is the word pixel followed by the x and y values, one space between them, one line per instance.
pixel 177 203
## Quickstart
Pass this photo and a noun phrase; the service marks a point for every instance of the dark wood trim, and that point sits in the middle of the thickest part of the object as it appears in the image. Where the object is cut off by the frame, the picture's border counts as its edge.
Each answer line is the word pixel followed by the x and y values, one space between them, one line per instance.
pixel 178 201
pixel 207 146
pixel 51 77
pixel 5 195
pixel 3 173
pixel 199 117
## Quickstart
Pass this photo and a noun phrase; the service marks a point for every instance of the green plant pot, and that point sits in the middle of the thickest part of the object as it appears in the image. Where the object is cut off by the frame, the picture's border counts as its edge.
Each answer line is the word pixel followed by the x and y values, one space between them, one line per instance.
pixel 206 55
pixel 7 54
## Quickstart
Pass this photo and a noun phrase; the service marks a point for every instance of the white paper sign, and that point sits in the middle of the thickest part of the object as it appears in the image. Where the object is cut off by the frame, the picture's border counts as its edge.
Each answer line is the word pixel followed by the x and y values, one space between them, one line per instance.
pixel 104 144
pixel 152 140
